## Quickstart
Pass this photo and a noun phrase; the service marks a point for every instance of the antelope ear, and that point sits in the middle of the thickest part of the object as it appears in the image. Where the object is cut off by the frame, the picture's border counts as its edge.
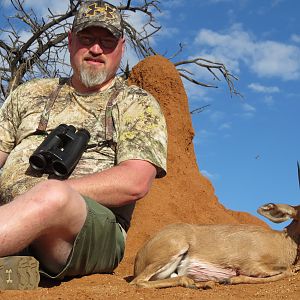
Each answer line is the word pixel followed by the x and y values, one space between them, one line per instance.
pixel 277 213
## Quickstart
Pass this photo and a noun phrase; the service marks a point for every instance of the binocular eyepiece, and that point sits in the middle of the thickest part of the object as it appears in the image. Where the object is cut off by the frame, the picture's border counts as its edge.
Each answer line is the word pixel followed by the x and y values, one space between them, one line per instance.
pixel 60 151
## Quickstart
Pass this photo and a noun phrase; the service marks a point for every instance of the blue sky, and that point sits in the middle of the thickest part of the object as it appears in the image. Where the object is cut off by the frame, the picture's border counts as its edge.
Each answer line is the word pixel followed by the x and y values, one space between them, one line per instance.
pixel 248 147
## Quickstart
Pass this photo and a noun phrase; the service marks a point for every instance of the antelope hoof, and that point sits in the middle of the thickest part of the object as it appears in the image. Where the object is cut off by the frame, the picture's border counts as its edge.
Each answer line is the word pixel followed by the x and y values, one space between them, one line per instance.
pixel 206 285
pixel 188 283
pixel 225 281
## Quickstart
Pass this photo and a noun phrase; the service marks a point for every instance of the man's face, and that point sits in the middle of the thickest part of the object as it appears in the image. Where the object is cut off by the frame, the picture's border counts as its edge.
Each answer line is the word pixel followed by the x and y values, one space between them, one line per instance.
pixel 95 55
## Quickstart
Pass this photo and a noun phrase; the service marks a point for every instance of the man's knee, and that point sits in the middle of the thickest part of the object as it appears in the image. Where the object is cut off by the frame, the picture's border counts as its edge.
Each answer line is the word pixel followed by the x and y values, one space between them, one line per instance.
pixel 51 195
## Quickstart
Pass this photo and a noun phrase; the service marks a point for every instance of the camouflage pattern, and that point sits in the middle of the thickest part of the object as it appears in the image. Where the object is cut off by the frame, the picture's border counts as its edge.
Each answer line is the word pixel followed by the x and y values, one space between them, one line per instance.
pixel 98 13
pixel 140 131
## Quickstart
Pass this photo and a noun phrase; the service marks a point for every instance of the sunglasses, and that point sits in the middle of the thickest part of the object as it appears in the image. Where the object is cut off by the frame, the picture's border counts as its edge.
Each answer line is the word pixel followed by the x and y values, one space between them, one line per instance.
pixel 105 43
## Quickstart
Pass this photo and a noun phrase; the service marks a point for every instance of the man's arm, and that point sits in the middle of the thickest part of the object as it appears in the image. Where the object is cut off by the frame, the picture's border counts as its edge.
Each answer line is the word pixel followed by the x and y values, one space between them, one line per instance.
pixel 3 157
pixel 120 185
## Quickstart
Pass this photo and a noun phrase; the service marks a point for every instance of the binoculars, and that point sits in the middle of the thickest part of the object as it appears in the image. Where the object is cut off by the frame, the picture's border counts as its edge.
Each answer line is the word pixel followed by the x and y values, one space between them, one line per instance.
pixel 60 151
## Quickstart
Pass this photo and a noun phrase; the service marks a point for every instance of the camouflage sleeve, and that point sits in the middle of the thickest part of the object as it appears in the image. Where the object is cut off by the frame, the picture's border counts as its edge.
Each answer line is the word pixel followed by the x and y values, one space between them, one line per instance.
pixel 142 130
pixel 8 123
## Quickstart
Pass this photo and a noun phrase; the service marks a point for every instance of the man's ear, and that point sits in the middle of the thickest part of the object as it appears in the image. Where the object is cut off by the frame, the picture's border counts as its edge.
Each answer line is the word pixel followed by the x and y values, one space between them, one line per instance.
pixel 123 45
pixel 70 39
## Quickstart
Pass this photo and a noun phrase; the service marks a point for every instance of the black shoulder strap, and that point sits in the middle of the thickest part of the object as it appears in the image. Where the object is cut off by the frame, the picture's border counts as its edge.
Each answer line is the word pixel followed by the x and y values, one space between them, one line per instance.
pixel 46 112
pixel 109 123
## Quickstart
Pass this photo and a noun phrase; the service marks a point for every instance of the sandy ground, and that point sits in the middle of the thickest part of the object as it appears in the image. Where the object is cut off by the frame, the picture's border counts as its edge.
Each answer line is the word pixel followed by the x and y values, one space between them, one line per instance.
pixel 116 287
pixel 184 195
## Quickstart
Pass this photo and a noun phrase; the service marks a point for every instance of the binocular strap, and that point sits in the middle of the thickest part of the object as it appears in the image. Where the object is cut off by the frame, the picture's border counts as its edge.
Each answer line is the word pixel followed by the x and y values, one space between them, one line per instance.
pixel 109 127
pixel 46 112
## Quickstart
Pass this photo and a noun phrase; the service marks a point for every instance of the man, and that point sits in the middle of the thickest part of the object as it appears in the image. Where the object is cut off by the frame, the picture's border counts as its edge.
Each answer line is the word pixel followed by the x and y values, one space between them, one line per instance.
pixel 78 226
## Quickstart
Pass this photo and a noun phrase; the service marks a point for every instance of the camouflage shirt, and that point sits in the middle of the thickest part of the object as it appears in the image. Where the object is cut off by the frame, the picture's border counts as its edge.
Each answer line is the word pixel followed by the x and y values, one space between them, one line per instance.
pixel 139 129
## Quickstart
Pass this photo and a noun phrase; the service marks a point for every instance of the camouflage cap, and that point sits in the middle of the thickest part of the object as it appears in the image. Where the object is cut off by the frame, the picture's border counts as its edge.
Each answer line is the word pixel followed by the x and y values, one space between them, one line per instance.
pixel 98 13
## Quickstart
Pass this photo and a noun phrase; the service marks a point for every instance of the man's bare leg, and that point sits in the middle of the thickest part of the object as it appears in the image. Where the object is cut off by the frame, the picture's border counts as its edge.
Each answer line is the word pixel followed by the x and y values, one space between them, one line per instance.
pixel 48 216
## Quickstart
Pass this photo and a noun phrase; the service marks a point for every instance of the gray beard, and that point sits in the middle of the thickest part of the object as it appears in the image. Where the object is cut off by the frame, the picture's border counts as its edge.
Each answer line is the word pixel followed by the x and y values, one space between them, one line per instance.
pixel 90 78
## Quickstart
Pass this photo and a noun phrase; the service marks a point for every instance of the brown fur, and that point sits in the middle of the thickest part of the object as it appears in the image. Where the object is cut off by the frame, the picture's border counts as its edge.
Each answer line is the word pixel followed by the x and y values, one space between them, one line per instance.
pixel 255 253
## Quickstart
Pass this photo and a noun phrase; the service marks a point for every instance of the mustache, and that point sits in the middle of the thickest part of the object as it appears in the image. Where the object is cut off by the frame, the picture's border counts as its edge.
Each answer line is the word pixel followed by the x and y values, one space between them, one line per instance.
pixel 96 58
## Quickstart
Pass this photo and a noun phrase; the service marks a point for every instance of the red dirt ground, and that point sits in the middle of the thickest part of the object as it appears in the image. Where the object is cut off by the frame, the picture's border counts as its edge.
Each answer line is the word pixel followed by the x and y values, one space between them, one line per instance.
pixel 184 195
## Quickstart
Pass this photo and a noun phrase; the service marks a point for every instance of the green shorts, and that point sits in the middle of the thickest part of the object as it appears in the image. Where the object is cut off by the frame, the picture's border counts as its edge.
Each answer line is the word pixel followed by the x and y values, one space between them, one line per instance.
pixel 98 247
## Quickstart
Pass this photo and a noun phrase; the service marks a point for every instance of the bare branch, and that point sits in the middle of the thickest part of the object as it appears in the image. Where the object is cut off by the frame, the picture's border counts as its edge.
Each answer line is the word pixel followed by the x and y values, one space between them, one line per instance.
pixel 191 79
pixel 199 109
pixel 210 66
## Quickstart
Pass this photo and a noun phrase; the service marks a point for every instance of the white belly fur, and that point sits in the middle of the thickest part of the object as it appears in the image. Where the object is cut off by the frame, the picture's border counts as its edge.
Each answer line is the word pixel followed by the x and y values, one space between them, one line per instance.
pixel 203 271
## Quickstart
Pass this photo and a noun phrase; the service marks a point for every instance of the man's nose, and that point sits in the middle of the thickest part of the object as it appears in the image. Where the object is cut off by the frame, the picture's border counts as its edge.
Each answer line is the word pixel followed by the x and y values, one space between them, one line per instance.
pixel 96 48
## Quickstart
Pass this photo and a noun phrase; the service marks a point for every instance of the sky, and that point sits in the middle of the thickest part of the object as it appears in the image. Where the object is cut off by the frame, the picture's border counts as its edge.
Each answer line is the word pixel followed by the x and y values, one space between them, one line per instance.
pixel 247 146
